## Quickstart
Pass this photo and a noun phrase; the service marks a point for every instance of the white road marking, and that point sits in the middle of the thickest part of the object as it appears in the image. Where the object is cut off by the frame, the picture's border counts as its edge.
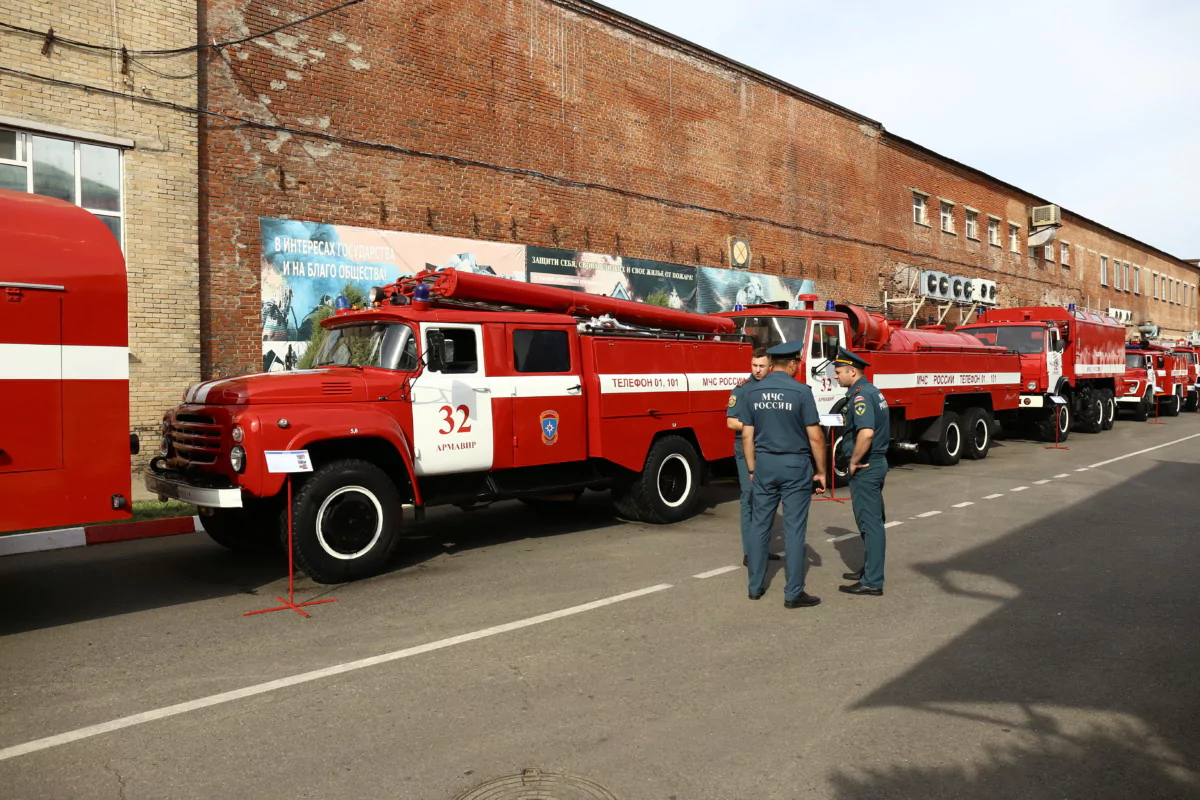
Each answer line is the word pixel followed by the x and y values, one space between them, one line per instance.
pixel 1064 475
pixel 844 537
pixel 314 675
pixel 1139 452
pixel 963 505
pixel 712 573
pixel 994 496
pixel 1018 488
pixel 1039 483
pixel 928 514
pixel 893 524
pixel 1082 469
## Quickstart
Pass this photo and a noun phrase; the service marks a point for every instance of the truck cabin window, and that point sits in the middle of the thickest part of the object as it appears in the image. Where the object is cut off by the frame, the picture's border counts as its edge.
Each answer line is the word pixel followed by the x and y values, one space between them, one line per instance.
pixel 770 331
pixel 384 345
pixel 541 351
pixel 1134 361
pixel 1017 338
pixel 462 354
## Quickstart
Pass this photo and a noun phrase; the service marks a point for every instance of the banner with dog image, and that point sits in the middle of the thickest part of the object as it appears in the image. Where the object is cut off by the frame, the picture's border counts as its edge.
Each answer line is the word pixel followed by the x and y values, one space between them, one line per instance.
pixel 719 289
pixel 307 265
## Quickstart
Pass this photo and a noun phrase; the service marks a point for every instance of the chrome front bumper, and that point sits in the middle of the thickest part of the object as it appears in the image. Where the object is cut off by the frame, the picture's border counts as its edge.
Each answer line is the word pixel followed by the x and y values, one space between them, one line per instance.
pixel 196 495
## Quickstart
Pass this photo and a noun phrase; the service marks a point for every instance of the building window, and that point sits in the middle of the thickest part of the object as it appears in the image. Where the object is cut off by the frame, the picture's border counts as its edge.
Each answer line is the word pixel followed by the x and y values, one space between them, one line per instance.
pixel 1065 254
pixel 1104 271
pixel 919 216
pixel 947 217
pixel 972 224
pixel 1048 251
pixel 1154 284
pixel 994 232
pixel 1014 238
pixel 1137 279
pixel 1116 274
pixel 88 175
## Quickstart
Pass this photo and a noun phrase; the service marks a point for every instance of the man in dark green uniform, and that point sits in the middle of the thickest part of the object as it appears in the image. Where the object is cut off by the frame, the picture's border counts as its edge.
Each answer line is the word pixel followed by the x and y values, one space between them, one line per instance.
pixel 760 365
pixel 781 434
pixel 865 439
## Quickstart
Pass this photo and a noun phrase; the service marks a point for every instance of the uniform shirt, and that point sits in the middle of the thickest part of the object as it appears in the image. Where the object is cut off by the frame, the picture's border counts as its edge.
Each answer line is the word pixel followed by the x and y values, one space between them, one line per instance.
pixel 780 408
pixel 867 410
pixel 735 405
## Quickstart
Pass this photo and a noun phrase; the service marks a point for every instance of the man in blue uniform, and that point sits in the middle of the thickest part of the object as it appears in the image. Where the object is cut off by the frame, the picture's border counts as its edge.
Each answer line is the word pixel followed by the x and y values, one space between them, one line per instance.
pixel 781 435
pixel 865 439
pixel 760 365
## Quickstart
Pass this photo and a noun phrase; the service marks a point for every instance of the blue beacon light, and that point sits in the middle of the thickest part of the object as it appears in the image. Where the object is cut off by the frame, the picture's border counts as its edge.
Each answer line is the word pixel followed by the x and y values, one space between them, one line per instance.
pixel 421 293
pixel 342 303
pixel 830 305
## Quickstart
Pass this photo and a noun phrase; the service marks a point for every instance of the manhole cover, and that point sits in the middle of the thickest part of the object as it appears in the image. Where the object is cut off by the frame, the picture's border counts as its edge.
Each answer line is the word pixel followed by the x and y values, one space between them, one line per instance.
pixel 533 784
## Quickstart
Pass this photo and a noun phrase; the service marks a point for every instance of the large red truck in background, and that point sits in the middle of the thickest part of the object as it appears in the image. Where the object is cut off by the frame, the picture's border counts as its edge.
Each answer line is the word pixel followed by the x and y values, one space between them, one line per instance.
pixel 945 390
pixel 64 367
pixel 1171 375
pixel 462 389
pixel 1070 353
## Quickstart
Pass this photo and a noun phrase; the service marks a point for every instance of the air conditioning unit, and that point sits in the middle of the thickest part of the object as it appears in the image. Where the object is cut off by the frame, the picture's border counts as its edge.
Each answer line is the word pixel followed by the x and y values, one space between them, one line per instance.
pixel 961 289
pixel 1122 315
pixel 935 284
pixel 1040 216
pixel 985 292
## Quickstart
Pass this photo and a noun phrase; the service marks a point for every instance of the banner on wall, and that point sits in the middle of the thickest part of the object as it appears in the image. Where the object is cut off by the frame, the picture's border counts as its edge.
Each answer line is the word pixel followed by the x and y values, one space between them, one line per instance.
pixel 654 282
pixel 720 289
pixel 306 265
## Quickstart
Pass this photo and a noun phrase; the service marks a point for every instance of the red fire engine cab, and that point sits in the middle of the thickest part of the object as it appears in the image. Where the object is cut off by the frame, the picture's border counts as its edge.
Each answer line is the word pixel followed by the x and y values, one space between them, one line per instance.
pixel 1191 354
pixel 64 367
pixel 945 390
pixel 1065 352
pixel 456 388
pixel 1170 375
pixel 1136 394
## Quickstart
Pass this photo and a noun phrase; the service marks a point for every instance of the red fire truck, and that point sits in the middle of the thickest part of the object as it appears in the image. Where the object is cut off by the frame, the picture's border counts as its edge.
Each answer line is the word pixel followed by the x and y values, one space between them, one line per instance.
pixel 1137 393
pixel 1065 352
pixel 1191 354
pixel 456 388
pixel 945 390
pixel 64 367
pixel 1171 378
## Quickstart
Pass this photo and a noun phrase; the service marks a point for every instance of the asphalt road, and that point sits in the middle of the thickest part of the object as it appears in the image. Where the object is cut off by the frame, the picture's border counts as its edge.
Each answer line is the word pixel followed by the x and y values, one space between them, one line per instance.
pixel 1036 643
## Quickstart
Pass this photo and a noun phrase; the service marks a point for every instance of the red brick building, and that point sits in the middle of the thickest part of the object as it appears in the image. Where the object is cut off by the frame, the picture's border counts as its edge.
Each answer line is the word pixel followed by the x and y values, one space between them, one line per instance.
pixel 562 124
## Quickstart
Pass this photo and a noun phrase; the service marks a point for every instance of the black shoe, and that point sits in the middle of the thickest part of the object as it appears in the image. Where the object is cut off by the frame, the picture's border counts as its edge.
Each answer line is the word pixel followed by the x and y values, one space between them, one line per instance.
pixel 853 576
pixel 858 588
pixel 770 557
pixel 758 596
pixel 803 600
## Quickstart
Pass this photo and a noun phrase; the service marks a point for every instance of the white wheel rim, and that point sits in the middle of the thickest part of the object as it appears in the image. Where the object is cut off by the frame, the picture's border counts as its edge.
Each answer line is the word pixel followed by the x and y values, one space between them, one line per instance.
pixel 981 426
pixel 687 475
pixel 321 517
pixel 1064 422
pixel 953 435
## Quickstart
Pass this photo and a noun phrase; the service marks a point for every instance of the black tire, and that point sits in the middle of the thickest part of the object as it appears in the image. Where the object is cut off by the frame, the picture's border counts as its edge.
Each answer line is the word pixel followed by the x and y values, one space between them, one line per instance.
pixel 1110 409
pixel 1045 424
pixel 346 521
pixel 254 528
pixel 1193 401
pixel 1169 406
pixel 948 449
pixel 977 427
pixel 1141 412
pixel 668 487
pixel 1090 418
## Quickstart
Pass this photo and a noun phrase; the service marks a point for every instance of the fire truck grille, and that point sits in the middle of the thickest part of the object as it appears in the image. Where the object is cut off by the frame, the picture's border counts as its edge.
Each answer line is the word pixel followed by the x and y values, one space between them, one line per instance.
pixel 196 438
pixel 336 388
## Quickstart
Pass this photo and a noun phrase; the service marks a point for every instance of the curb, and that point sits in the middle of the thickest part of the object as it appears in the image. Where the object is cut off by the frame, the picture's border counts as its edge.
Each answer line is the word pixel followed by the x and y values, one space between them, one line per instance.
pixel 89 535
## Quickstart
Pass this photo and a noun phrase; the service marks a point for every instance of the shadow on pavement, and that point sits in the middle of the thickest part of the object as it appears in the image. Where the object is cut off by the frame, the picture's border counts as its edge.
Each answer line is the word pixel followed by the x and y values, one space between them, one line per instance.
pixel 1081 684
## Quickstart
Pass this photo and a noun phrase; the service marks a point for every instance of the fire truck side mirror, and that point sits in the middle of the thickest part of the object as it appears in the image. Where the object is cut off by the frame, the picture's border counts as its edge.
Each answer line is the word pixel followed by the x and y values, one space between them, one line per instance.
pixel 435 350
pixel 1060 345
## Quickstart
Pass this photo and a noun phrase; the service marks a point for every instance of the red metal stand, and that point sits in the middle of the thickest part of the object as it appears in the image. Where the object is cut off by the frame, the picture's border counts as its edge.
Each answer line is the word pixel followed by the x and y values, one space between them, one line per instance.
pixel 832 479
pixel 291 601
pixel 1056 445
pixel 1156 420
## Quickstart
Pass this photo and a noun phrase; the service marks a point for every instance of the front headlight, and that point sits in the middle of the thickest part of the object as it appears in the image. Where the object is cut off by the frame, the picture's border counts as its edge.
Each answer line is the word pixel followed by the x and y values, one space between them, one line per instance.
pixel 237 458
pixel 164 448
pixel 1031 385
pixel 238 435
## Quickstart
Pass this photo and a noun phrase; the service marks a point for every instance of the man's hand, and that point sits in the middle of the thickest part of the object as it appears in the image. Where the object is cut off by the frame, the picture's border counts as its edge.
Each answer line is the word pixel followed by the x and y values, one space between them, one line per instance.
pixel 856 467
pixel 819 483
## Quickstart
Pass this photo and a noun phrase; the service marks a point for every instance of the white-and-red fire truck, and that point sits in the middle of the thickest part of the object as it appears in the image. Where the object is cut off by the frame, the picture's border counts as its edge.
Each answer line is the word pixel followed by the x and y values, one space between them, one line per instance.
pixel 1191 354
pixel 64 367
pixel 1137 394
pixel 456 388
pixel 1171 376
pixel 1070 353
pixel 945 390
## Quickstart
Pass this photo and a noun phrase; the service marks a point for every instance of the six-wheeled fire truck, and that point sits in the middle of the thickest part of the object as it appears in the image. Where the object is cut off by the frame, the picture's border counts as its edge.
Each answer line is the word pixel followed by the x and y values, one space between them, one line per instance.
pixel 457 388
pixel 945 390
pixel 64 367
pixel 1171 380
pixel 1069 353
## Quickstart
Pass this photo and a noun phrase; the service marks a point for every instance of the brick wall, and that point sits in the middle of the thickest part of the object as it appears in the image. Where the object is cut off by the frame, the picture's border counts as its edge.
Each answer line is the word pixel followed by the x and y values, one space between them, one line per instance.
pixel 160 184
pixel 574 128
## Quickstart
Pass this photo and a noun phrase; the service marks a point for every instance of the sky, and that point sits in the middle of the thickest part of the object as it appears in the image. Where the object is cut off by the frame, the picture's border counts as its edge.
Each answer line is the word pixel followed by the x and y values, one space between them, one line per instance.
pixel 1094 105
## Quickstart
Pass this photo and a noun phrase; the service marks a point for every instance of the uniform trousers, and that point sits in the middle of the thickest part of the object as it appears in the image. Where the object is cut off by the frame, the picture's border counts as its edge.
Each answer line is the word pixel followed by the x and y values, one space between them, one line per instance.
pixel 786 478
pixel 744 483
pixel 866 494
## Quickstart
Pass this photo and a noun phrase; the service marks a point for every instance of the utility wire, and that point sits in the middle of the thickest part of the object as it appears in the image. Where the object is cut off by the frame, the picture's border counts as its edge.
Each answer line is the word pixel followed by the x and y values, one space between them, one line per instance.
pixel 52 38
pixel 517 171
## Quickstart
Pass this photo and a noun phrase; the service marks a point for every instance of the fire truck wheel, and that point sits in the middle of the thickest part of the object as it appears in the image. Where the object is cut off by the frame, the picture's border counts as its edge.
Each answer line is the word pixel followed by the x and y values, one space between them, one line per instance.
pixel 1170 406
pixel 1110 409
pixel 1193 401
pixel 1045 425
pixel 977 433
pixel 346 521
pixel 667 489
pixel 1141 412
pixel 1091 411
pixel 947 450
pixel 251 529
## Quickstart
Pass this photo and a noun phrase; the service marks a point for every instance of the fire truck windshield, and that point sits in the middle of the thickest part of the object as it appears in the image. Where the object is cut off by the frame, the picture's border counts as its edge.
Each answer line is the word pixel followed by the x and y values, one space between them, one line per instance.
pixel 1018 338
pixel 387 345
pixel 770 331
pixel 1134 360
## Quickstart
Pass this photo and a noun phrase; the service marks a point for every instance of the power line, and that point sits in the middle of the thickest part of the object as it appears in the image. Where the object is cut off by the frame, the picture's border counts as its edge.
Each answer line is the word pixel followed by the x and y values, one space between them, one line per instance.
pixel 52 38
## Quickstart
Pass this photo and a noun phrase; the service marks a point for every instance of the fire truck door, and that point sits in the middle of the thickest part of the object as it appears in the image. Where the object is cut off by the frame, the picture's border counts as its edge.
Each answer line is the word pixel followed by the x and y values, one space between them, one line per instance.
pixel 826 338
pixel 31 427
pixel 548 406
pixel 452 408
pixel 1054 359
